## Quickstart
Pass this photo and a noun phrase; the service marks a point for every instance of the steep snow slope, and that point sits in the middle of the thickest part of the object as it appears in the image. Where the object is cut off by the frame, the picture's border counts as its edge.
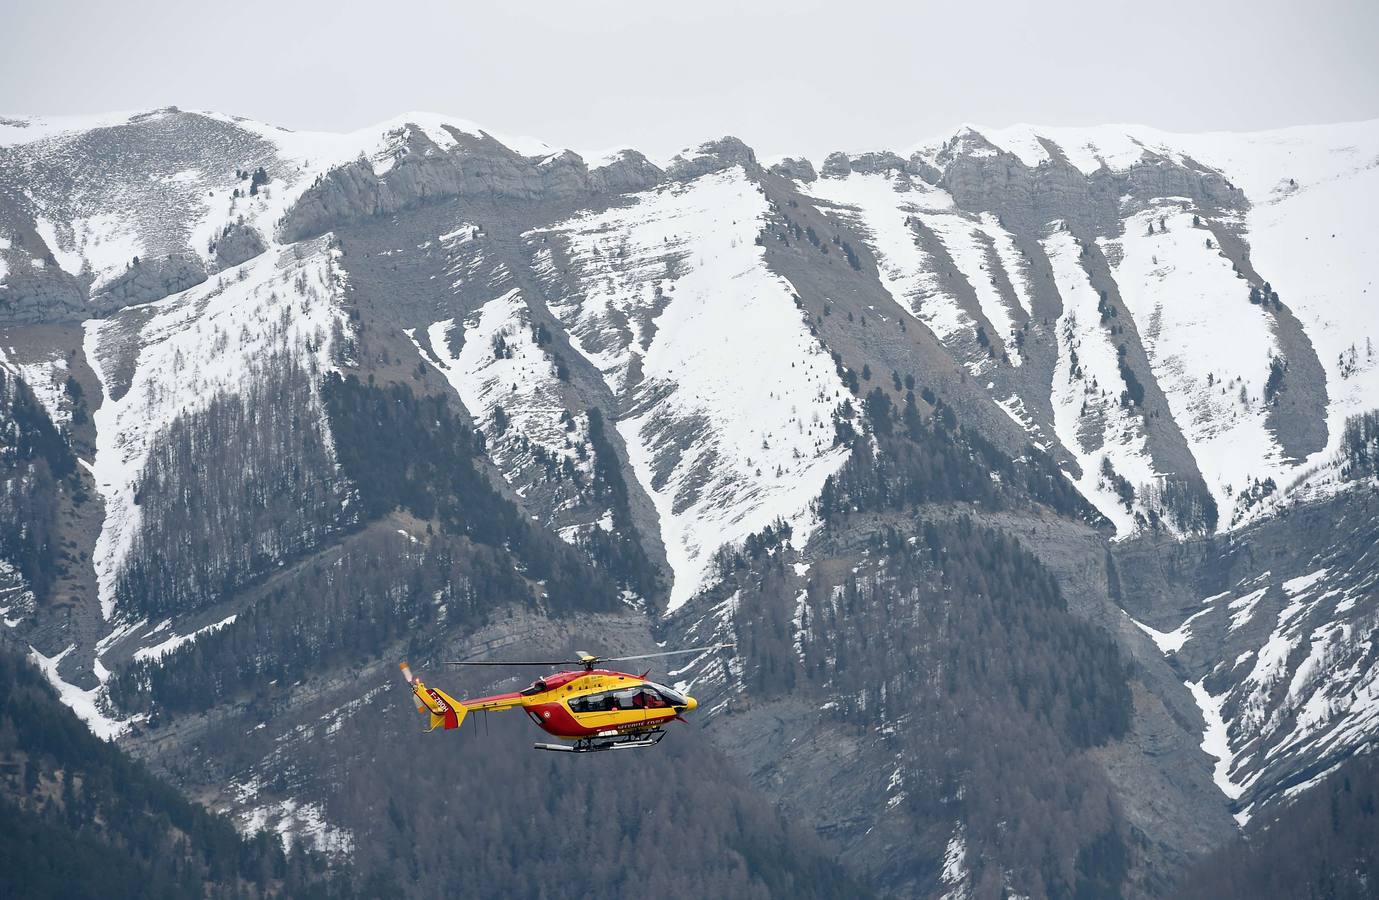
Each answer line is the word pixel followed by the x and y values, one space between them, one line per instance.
pixel 891 209
pixel 496 361
pixel 885 208
pixel 1010 261
pixel 1208 346
pixel 971 246
pixel 727 396
pixel 1306 227
pixel 1091 421
pixel 1291 204
pixel 1311 233
pixel 500 369
pixel 163 360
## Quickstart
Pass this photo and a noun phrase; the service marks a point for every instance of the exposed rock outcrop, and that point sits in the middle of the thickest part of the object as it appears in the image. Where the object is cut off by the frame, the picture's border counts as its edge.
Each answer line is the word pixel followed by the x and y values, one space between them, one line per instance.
pixel 343 193
pixel 713 156
pixel 148 280
pixel 984 177
pixel 883 163
pixel 41 295
pixel 417 170
pixel 626 172
pixel 238 244
pixel 839 165
pixel 836 165
pixel 796 168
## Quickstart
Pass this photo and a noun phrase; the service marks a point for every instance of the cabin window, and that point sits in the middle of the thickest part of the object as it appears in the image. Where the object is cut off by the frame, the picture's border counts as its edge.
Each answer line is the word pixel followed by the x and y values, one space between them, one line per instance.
pixel 608 701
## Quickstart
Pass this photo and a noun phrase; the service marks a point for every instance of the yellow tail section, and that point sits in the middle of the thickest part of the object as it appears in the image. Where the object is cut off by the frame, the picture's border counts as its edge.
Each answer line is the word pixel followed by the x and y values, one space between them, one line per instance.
pixel 444 710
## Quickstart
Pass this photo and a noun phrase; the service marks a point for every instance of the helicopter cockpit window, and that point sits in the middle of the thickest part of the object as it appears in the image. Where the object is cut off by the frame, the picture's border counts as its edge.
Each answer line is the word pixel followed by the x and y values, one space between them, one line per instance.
pixel 670 697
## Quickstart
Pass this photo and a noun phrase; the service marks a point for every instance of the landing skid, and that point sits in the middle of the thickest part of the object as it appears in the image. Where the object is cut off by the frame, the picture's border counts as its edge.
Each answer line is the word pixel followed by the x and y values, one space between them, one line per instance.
pixel 619 742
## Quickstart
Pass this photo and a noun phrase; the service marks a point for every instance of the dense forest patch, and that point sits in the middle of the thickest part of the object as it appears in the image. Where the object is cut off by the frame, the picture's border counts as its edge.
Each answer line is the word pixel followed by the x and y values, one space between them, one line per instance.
pixel 229 492
pixel 402 451
pixel 79 819
pixel 34 459
pixel 476 813
pixel 1325 844
pixel 912 458
pixel 953 647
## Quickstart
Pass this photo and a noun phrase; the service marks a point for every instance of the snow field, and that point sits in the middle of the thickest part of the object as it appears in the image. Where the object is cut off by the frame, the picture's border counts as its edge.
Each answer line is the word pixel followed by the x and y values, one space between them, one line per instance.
pixel 1208 346
pixel 907 272
pixel 730 396
pixel 500 369
pixel 1089 392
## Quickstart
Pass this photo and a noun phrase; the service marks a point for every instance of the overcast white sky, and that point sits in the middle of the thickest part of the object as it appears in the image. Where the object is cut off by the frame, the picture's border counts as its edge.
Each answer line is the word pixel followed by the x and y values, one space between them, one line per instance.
pixel 799 78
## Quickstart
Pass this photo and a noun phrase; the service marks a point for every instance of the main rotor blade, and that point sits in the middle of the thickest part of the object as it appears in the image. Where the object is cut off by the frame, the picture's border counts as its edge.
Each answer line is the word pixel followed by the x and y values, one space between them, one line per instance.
pixel 664 653
pixel 515 662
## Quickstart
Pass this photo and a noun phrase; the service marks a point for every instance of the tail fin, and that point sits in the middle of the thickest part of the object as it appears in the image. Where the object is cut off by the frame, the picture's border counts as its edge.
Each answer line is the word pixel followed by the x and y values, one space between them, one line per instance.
pixel 443 709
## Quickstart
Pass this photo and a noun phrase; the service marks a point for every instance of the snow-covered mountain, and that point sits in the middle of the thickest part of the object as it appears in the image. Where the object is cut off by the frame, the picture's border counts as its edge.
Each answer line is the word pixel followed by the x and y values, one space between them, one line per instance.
pixel 1064 245
pixel 1153 351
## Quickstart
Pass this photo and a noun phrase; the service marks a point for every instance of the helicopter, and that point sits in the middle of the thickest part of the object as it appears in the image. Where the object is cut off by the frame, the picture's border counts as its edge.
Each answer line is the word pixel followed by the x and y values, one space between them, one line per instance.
pixel 590 708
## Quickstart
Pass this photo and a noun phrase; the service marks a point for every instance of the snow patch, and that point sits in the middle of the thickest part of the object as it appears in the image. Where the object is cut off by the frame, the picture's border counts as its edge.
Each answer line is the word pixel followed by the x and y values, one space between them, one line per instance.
pixel 1244 608
pixel 87 704
pixel 1087 412
pixel 1302 583
pixel 292 821
pixel 158 651
pixel 500 369
pixel 1169 641
pixel 1215 737
pixel 60 245
pixel 955 870
pixel 46 377
pixel 962 238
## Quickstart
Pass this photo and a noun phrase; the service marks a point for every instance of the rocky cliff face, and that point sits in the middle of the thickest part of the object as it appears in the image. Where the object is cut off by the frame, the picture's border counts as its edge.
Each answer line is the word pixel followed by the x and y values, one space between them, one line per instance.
pixel 220 185
pixel 1009 466
pixel 417 170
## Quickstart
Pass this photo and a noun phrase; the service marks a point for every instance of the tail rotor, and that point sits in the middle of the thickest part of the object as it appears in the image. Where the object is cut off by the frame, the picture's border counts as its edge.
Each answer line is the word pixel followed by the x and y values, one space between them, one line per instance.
pixel 442 709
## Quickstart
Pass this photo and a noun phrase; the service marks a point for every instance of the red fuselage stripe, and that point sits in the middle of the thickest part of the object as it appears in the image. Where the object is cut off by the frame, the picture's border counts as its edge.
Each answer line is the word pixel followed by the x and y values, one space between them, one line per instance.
pixel 555 719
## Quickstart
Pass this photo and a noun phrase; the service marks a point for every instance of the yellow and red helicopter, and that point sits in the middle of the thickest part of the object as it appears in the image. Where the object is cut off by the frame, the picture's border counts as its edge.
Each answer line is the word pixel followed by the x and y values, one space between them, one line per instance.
pixel 592 708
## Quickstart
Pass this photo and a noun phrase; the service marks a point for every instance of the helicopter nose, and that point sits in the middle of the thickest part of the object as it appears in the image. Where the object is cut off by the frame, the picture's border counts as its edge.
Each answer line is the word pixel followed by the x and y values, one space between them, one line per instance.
pixel 691 704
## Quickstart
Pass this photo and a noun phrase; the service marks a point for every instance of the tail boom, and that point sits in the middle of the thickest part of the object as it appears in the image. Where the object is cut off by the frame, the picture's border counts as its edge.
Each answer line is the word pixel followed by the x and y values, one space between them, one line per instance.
pixel 444 710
